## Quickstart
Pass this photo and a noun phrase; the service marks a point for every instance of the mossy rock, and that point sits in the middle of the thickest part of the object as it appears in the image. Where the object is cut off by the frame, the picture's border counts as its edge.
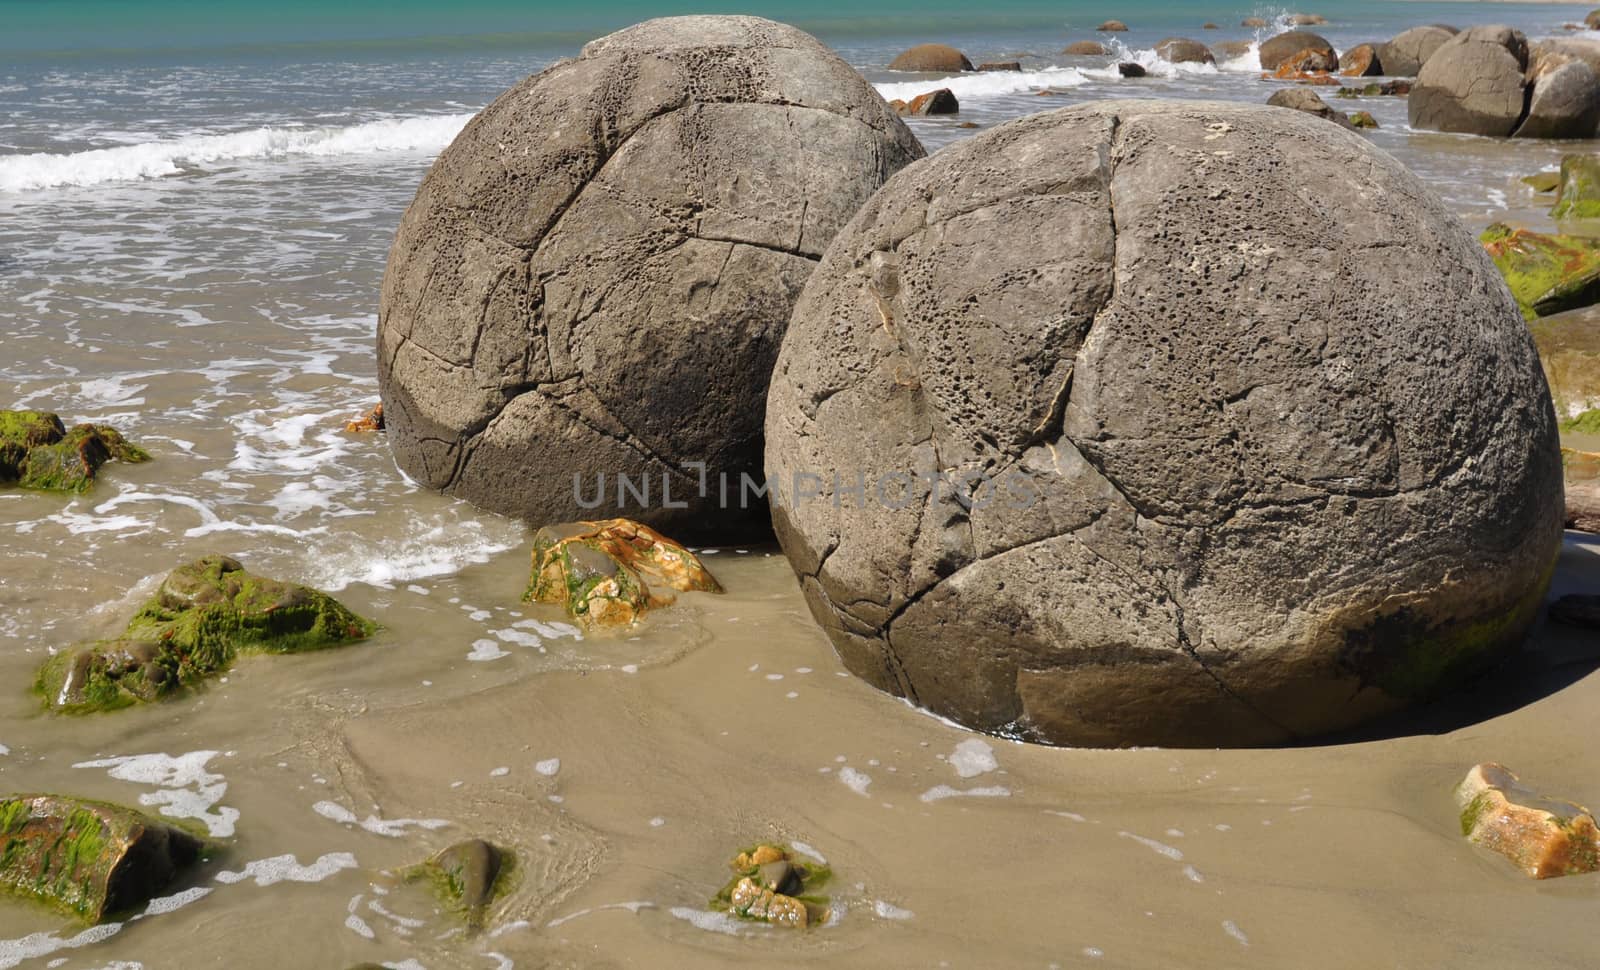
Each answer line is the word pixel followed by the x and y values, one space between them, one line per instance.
pixel 1586 423
pixel 204 615
pixel 90 860
pixel 601 571
pixel 1580 188
pixel 1543 182
pixel 38 452
pixel 467 878
pixel 776 885
pixel 1546 273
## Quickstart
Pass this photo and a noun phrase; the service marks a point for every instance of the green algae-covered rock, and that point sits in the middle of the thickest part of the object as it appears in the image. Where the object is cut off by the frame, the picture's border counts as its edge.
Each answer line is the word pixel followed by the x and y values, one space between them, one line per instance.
pixel 204 615
pixel 1546 273
pixel 772 884
pixel 38 452
pixel 89 859
pixel 1543 182
pixel 1580 188
pixel 467 877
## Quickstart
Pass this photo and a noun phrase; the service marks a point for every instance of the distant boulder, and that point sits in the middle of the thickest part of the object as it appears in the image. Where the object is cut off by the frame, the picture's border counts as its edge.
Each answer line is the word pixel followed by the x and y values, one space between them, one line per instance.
pixel 1253 22
pixel 931 58
pixel 989 66
pixel 1113 26
pixel 1410 49
pixel 1085 48
pixel 1130 69
pixel 1276 50
pixel 1473 83
pixel 1306 19
pixel 1182 50
pixel 1361 61
pixel 1304 99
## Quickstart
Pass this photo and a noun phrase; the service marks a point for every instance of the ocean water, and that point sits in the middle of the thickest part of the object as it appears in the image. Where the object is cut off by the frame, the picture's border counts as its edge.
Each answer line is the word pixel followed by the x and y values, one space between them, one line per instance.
pixel 196 200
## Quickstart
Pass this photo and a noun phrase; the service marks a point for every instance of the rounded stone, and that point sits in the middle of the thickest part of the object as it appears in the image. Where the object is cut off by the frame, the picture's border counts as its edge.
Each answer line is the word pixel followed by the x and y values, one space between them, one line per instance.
pixel 1085 48
pixel 1112 26
pixel 1182 50
pixel 1275 50
pixel 1473 83
pixel 594 277
pixel 1361 61
pixel 1211 468
pixel 931 58
pixel 1410 49
pixel 1564 101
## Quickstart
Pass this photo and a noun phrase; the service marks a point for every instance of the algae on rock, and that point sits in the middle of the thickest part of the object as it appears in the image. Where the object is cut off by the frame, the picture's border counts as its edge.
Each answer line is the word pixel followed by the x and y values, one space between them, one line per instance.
pixel 467 878
pixel 204 615
pixel 89 859
pixel 774 885
pixel 38 452
pixel 1546 273
pixel 1579 188
pixel 598 570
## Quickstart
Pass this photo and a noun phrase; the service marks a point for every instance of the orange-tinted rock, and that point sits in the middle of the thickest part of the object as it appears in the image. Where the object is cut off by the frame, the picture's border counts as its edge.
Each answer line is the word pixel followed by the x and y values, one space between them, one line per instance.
pixel 373 421
pixel 1311 60
pixel 940 102
pixel 1542 837
pixel 1085 48
pixel 1112 26
pixel 931 57
pixel 599 570
pixel 1360 61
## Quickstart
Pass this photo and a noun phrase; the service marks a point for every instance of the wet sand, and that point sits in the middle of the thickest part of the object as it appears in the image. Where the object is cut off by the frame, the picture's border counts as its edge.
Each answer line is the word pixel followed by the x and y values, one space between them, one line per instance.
pixel 727 720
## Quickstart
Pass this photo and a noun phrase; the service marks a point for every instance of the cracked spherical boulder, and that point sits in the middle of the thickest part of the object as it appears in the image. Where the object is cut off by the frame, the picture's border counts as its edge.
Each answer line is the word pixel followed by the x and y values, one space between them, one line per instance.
pixel 589 290
pixel 1237 435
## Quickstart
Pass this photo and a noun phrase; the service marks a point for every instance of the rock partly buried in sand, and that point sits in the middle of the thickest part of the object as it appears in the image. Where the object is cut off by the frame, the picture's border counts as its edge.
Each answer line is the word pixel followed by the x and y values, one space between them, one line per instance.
pixel 1172 434
pixel 1112 26
pixel 1580 611
pixel 1545 273
pixel 1410 49
pixel 38 452
pixel 88 859
pixel 1130 69
pixel 1564 99
pixel 1473 83
pixel 467 878
pixel 1361 61
pixel 1544 837
pixel 1182 50
pixel 602 572
pixel 1275 50
pixel 592 281
pixel 940 102
pixel 204 615
pixel 774 885
pixel 941 58
pixel 1578 184
pixel 371 421
pixel 1085 48
pixel 1302 99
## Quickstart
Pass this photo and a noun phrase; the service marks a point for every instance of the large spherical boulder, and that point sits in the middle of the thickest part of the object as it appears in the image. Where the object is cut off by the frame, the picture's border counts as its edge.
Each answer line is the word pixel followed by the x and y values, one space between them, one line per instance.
pixel 1211 467
pixel 1275 50
pixel 931 58
pixel 1473 83
pixel 1564 102
pixel 1182 50
pixel 1410 49
pixel 594 277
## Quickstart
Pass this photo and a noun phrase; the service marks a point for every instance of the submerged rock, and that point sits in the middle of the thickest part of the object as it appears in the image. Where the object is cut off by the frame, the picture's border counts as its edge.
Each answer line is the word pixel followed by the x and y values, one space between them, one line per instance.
pixel 1130 69
pixel 1301 99
pixel 593 278
pixel 38 452
pixel 1543 837
pixel 1150 529
pixel 774 885
pixel 1543 182
pixel 1085 48
pixel 1410 49
pixel 1112 26
pixel 598 571
pixel 1546 273
pixel 467 878
pixel 89 859
pixel 204 615
pixel 372 421
pixel 1579 188
pixel 1182 50
pixel 931 58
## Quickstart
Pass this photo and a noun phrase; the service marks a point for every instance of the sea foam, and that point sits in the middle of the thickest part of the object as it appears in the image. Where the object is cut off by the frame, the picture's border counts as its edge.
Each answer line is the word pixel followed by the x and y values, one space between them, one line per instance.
pixel 158 159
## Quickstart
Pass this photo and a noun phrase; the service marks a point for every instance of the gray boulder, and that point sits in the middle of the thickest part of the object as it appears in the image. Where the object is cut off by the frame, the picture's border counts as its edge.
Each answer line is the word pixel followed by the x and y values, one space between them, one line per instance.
pixel 1410 49
pixel 1307 100
pixel 1568 48
pixel 1218 472
pixel 594 277
pixel 1182 50
pixel 1473 83
pixel 1565 102
pixel 1276 50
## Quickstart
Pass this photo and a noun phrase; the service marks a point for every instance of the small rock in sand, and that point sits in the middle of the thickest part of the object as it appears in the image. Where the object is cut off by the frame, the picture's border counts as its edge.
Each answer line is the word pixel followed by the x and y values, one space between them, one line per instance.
pixel 1543 837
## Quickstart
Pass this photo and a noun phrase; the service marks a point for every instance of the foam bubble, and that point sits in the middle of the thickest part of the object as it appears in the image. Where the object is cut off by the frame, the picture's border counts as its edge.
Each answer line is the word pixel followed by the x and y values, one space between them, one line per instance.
pixel 709 920
pixel 34 945
pixel 548 767
pixel 187 788
pixel 887 910
pixel 941 792
pixel 392 828
pixel 286 868
pixel 854 780
pixel 973 757
pixel 166 904
pixel 1176 855
pixel 988 84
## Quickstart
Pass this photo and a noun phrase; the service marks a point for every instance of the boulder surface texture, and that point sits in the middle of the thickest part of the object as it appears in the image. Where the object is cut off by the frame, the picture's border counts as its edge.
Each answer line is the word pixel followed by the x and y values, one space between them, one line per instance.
pixel 1276 50
pixel 594 277
pixel 1410 49
pixel 1204 482
pixel 1474 83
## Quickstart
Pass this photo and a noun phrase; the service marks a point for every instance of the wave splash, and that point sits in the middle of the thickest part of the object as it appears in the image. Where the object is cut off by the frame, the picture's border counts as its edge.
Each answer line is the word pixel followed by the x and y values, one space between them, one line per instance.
pixel 159 159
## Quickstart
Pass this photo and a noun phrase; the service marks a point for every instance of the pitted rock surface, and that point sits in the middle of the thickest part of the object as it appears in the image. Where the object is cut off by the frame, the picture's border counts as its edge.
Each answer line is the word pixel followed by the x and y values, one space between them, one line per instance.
pixel 594 277
pixel 1254 483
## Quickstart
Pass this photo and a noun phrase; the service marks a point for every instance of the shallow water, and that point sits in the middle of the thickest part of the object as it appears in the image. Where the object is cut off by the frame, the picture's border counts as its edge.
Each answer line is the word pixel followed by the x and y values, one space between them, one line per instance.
pixel 223 315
